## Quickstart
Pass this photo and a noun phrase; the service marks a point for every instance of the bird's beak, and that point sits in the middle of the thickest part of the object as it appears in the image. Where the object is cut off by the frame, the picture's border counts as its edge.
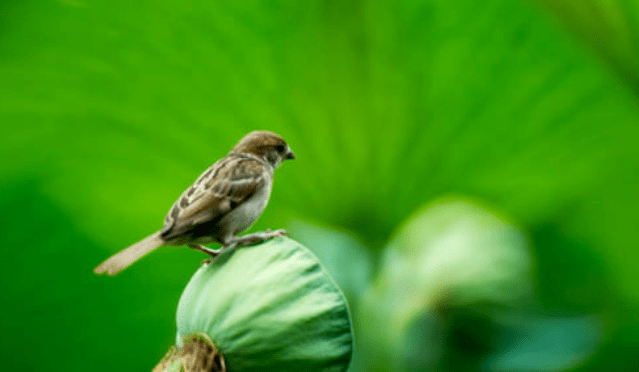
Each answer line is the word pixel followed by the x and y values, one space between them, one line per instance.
pixel 289 155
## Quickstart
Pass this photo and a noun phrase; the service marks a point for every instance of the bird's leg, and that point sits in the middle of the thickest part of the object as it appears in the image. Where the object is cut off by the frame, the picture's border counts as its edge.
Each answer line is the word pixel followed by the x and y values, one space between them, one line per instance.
pixel 258 237
pixel 214 253
pixel 211 252
pixel 241 241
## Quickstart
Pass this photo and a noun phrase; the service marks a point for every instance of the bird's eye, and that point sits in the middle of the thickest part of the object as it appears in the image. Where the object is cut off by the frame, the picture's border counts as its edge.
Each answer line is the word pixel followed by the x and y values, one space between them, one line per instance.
pixel 280 148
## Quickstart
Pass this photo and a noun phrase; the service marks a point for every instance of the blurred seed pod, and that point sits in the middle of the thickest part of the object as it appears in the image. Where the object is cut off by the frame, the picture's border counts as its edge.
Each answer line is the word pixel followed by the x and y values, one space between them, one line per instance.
pixel 455 292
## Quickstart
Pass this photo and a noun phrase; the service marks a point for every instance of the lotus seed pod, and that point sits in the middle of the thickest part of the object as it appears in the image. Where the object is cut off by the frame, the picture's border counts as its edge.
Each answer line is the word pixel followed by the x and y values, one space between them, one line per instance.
pixel 270 307
pixel 451 254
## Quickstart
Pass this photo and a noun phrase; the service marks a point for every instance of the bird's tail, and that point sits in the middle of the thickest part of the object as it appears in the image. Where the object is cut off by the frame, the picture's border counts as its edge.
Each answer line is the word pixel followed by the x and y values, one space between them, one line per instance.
pixel 128 256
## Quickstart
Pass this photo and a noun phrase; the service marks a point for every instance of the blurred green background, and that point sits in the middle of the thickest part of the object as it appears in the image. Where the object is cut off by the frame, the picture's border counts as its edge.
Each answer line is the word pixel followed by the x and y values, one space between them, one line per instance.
pixel 467 171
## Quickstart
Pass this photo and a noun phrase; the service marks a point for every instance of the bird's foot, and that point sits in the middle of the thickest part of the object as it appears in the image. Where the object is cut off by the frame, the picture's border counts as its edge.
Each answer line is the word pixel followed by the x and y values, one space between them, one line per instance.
pixel 208 261
pixel 211 252
pixel 275 234
pixel 242 241
pixel 207 250
pixel 215 253
pixel 259 237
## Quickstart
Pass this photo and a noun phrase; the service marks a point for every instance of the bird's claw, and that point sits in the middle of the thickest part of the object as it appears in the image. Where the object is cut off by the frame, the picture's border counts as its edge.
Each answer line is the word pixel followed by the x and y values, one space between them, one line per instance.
pixel 229 246
pixel 277 233
pixel 208 261
pixel 242 242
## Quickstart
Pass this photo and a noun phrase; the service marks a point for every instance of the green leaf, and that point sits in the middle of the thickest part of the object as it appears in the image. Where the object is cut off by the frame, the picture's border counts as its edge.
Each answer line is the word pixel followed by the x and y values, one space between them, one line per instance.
pixel 386 104
pixel 114 107
pixel 609 27
pixel 270 307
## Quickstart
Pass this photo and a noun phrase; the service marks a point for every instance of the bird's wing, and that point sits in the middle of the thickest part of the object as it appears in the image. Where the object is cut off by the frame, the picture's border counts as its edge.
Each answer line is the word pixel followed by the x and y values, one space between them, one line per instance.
pixel 221 188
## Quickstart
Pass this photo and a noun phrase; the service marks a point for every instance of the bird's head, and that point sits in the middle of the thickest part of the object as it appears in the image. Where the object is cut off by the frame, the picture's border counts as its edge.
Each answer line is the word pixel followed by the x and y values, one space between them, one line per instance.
pixel 265 145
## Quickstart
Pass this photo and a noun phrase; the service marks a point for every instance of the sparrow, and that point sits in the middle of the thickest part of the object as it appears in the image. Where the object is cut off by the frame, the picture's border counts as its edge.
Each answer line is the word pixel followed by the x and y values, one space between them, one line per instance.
pixel 223 202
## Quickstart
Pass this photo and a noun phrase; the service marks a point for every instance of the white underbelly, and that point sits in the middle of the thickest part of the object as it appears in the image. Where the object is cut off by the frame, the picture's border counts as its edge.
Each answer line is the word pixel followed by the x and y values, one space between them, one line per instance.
pixel 245 215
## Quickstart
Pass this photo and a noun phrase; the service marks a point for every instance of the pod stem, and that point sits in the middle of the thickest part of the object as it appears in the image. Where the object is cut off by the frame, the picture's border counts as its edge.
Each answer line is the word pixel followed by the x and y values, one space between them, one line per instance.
pixel 198 354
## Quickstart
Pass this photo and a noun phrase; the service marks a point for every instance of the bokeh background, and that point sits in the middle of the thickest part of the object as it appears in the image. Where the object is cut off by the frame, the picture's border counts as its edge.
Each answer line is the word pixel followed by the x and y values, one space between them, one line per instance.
pixel 467 171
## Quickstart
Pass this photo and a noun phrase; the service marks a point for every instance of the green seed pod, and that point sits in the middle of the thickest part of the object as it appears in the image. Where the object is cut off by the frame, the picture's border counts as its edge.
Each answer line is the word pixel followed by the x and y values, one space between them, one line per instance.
pixel 270 307
pixel 452 256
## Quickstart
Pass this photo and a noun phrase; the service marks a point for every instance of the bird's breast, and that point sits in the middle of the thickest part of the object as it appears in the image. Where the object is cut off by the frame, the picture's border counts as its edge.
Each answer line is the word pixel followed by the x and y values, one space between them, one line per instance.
pixel 249 211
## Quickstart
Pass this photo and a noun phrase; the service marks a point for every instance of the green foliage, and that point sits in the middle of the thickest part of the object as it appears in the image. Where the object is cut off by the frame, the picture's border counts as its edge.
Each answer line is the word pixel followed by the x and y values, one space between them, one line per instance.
pixel 270 307
pixel 382 92
pixel 109 109
pixel 609 27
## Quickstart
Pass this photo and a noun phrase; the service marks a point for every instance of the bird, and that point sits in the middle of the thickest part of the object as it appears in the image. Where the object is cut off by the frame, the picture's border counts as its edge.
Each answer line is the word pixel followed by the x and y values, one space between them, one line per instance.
pixel 223 202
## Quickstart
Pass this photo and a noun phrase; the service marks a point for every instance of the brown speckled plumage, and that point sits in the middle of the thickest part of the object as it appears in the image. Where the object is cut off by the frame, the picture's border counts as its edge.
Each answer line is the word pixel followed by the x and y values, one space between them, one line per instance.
pixel 214 193
pixel 224 201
